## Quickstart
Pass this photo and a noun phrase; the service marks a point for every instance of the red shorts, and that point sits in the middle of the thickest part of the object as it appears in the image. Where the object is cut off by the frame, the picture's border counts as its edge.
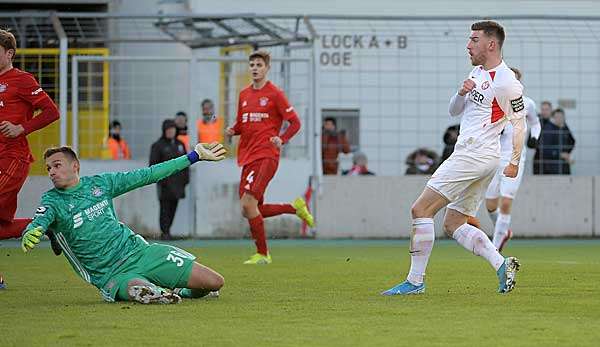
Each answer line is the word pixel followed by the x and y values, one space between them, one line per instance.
pixel 13 173
pixel 256 177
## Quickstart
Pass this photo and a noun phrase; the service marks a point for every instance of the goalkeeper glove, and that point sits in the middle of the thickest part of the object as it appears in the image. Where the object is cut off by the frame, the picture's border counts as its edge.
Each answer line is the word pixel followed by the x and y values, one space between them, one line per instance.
pixel 31 238
pixel 207 151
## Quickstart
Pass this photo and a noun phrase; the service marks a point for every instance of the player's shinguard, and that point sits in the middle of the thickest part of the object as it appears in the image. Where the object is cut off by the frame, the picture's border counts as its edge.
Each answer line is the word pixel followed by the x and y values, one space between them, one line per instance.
pixel 487 99
pixel 121 264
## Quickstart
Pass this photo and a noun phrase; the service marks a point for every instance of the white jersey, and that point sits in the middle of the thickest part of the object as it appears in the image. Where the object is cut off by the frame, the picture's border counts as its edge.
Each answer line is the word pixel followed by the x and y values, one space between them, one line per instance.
pixel 496 98
pixel 533 123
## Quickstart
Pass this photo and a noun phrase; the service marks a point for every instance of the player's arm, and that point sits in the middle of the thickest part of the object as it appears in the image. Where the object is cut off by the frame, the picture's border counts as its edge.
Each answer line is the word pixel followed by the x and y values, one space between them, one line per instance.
pixel 458 100
pixel 533 122
pixel 510 100
pixel 123 182
pixel 236 129
pixel 289 114
pixel 30 91
pixel 45 215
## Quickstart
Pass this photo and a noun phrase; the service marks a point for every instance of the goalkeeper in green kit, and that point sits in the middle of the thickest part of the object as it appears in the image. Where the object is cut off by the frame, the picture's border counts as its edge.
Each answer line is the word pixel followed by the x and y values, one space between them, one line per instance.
pixel 103 251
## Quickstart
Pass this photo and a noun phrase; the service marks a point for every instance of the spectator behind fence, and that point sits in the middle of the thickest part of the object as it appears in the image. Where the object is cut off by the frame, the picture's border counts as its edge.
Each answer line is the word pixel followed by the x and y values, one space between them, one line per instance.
pixel 332 143
pixel 450 137
pixel 421 162
pixel 181 122
pixel 556 143
pixel 210 126
pixel 116 144
pixel 359 166
pixel 172 188
pixel 545 114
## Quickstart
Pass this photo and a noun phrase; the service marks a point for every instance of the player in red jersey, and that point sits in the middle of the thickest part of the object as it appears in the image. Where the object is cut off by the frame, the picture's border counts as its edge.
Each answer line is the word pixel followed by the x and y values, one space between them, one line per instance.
pixel 20 96
pixel 262 108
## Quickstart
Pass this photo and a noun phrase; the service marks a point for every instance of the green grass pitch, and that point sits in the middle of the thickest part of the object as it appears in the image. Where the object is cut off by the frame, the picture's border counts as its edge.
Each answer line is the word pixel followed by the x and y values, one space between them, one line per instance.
pixel 319 293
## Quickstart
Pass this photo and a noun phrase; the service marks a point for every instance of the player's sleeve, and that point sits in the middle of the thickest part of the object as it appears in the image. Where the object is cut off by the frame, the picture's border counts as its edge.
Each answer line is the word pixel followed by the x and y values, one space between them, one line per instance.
pixel 533 121
pixel 457 104
pixel 30 91
pixel 122 182
pixel 45 215
pixel 288 113
pixel 510 99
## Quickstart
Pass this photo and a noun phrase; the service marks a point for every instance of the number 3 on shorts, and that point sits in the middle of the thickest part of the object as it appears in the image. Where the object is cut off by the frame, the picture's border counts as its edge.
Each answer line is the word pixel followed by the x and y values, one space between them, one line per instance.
pixel 177 260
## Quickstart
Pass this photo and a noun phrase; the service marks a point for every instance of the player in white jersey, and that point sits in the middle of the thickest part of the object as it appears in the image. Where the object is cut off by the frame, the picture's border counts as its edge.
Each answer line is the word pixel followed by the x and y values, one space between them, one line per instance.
pixel 502 190
pixel 489 98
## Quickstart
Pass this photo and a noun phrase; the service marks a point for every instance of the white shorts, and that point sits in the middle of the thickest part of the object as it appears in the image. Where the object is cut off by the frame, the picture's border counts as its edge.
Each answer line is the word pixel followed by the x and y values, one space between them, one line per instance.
pixel 463 178
pixel 505 186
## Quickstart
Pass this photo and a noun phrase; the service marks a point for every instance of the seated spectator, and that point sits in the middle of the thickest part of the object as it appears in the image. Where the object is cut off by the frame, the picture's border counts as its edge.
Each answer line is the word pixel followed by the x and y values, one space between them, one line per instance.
pixel 556 143
pixel 421 162
pixel 116 144
pixel 359 166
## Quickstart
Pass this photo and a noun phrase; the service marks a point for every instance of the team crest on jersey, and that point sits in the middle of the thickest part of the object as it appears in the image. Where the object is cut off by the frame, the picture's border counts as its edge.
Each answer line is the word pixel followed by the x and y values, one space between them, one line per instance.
pixel 485 85
pixel 244 103
pixel 3 87
pixel 263 101
pixel 97 192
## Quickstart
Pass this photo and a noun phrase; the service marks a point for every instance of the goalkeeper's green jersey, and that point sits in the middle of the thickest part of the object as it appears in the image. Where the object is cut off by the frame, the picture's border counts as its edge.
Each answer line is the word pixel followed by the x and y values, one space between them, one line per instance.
pixel 84 221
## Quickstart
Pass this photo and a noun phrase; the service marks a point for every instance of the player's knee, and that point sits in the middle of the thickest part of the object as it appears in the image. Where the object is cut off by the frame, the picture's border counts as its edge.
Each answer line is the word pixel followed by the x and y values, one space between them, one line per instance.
pixel 216 282
pixel 491 205
pixel 417 211
pixel 506 205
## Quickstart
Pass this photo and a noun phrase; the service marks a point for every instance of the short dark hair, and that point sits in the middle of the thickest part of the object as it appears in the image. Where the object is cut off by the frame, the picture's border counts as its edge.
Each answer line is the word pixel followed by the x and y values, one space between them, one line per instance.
pixel 181 113
pixel 546 102
pixel 557 110
pixel 490 28
pixel 114 124
pixel 517 72
pixel 206 101
pixel 331 119
pixel 261 53
pixel 66 150
pixel 8 41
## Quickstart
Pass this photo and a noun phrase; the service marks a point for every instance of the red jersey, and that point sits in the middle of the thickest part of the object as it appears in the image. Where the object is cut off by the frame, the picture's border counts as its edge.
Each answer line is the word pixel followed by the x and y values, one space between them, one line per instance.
pixel 261 113
pixel 20 96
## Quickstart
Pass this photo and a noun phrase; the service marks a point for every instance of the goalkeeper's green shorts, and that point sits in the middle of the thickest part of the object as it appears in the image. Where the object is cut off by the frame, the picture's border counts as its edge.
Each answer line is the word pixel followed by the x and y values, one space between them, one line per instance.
pixel 163 265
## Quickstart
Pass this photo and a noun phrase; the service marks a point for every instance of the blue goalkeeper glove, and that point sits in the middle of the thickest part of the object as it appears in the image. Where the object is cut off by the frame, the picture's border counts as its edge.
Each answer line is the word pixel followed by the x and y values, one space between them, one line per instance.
pixel 31 238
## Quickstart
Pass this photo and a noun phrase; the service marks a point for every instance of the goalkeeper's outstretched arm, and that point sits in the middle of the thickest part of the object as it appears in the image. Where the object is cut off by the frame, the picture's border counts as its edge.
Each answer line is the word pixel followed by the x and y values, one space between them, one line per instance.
pixel 123 182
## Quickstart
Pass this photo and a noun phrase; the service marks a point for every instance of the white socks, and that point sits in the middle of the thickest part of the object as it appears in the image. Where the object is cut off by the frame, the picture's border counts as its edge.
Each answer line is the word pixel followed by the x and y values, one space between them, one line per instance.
pixel 501 229
pixel 421 243
pixel 476 241
pixel 493 216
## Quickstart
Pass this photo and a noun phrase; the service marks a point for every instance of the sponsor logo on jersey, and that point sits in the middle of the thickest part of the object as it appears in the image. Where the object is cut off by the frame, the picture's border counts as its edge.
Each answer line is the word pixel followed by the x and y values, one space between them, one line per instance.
pixel 96 211
pixel 289 109
pixel 476 96
pixel 77 220
pixel 254 116
pixel 263 101
pixel 485 85
pixel 517 104
pixel 37 91
pixel 40 211
pixel 97 192
pixel 3 87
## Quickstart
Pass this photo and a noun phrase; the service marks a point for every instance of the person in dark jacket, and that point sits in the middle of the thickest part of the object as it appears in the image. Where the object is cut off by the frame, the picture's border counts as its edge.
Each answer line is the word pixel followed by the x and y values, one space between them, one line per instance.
pixel 450 137
pixel 556 144
pixel 172 188
pixel 545 115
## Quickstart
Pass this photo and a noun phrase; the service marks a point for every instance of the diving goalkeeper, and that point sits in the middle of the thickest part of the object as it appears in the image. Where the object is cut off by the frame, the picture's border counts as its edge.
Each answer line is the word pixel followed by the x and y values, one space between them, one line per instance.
pixel 105 252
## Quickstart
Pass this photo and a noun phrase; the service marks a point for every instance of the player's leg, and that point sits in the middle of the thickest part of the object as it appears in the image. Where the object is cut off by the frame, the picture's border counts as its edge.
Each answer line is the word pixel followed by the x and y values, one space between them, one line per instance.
pixel 202 282
pixel 502 232
pixel 168 207
pixel 422 238
pixel 135 287
pixel 297 207
pixel 254 181
pixel 492 194
pixel 13 174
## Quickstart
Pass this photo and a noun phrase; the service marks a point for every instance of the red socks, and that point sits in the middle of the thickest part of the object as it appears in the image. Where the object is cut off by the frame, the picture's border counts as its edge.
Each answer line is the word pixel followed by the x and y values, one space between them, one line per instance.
pixel 14 228
pixel 271 210
pixel 257 228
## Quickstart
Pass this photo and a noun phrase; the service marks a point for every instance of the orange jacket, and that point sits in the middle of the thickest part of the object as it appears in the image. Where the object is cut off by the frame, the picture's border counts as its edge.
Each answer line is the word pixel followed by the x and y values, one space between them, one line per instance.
pixel 118 149
pixel 210 132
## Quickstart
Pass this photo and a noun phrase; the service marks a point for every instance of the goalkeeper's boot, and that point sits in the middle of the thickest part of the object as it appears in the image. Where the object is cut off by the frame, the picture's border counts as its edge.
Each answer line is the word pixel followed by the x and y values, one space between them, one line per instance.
pixel 405 288
pixel 146 294
pixel 2 284
pixel 302 211
pixel 259 259
pixel 56 248
pixel 506 274
pixel 507 237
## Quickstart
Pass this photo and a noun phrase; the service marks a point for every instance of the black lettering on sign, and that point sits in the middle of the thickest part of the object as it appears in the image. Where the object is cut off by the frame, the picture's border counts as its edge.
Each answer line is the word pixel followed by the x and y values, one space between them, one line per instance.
pixel 336 58
pixel 373 42
pixel 402 41
pixel 358 41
